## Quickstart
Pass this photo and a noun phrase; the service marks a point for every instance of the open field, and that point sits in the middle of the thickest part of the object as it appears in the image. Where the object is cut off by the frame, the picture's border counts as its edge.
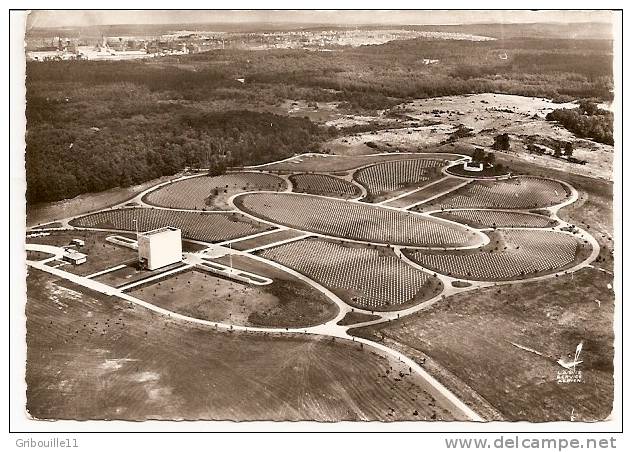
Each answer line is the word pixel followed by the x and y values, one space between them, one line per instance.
pixel 496 218
pixel 469 336
pixel 211 193
pixel 101 254
pixel 521 117
pixel 511 254
pixel 364 277
pixel 207 227
pixel 356 221
pixel 333 163
pixel 486 115
pixel 388 177
pixel 593 211
pixel 515 193
pixel 92 357
pixel 284 303
pixel 322 184
pixel 425 124
pixel 404 136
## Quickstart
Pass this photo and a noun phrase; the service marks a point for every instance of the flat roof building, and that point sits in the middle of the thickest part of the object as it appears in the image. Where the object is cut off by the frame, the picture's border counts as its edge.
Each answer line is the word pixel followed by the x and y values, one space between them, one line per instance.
pixel 160 247
pixel 74 257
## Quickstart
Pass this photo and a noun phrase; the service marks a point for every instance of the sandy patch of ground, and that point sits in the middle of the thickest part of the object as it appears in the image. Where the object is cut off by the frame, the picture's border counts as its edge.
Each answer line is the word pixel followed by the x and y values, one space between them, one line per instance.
pixel 487 115
pixel 404 139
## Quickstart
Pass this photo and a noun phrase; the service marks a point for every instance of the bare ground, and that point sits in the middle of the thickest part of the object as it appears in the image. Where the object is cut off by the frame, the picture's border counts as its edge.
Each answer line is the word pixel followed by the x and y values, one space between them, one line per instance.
pixel 92 357
pixel 470 336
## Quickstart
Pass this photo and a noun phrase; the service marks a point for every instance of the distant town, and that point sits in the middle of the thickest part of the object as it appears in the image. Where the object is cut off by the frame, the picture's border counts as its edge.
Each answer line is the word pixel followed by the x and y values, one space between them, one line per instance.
pixel 58 47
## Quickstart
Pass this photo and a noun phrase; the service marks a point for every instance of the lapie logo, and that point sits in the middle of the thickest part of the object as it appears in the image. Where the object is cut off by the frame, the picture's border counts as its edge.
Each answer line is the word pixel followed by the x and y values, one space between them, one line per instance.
pixel 571 374
pixel 572 365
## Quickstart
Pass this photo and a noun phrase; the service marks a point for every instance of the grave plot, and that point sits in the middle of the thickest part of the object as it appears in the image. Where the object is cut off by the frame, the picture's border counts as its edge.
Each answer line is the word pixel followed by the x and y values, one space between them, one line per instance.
pixel 365 277
pixel 389 177
pixel 428 192
pixel 511 254
pixel 521 192
pixel 206 192
pixel 497 218
pixel 206 227
pixel 321 184
pixel 330 163
pixel 354 220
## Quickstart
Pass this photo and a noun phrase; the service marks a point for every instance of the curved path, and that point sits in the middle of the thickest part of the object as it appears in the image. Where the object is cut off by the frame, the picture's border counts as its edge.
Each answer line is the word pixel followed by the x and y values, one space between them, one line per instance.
pixel 330 328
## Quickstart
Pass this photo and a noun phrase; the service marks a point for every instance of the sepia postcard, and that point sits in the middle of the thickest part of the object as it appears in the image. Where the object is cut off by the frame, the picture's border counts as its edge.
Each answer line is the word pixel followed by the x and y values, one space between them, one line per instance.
pixel 320 215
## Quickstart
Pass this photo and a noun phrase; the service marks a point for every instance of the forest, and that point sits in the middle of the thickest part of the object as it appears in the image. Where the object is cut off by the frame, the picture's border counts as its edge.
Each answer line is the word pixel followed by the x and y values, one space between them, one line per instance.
pixel 65 162
pixel 98 125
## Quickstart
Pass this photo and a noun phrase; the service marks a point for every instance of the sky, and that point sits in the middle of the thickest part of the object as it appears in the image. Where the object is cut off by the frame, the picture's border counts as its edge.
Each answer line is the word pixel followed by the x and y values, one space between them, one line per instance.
pixel 43 18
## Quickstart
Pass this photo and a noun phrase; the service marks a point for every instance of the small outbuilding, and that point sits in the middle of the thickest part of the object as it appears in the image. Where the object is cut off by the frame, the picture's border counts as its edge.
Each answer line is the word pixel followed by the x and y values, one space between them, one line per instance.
pixel 473 166
pixel 74 257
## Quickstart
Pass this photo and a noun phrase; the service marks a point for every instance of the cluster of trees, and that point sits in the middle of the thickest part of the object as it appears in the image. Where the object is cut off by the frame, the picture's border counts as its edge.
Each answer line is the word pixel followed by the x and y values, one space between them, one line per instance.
pixel 486 158
pixel 501 142
pixel 460 132
pixel 557 148
pixel 586 121
pixel 559 152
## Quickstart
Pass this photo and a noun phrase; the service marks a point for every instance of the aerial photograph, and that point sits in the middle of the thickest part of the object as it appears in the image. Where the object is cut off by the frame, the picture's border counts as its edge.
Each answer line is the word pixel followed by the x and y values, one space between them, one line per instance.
pixel 356 215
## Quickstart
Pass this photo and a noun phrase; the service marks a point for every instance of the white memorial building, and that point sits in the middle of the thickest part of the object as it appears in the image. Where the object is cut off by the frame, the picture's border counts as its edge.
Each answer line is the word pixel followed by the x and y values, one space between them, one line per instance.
pixel 160 247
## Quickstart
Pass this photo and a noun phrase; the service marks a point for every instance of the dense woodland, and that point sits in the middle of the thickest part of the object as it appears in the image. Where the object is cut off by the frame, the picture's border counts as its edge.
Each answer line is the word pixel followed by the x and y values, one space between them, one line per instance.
pixel 98 125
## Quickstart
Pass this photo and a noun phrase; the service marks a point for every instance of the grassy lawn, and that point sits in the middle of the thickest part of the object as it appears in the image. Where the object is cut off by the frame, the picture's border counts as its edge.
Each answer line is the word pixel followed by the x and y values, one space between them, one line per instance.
pixel 356 317
pixel 467 340
pixel 93 357
pixel 37 255
pixel 287 302
pixel 132 272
